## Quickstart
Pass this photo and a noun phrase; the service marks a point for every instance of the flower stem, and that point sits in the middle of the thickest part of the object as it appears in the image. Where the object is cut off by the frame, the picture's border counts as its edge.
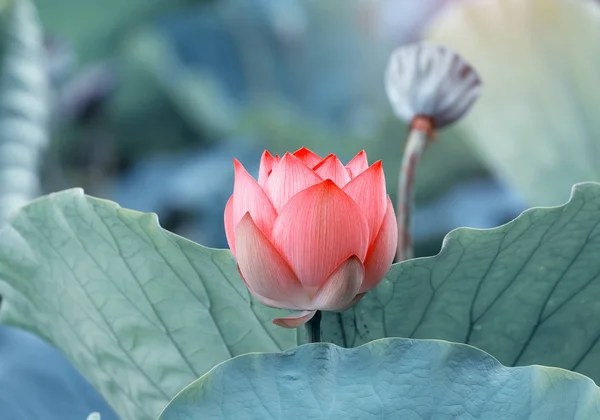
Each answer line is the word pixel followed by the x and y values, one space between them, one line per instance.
pixel 421 131
pixel 313 329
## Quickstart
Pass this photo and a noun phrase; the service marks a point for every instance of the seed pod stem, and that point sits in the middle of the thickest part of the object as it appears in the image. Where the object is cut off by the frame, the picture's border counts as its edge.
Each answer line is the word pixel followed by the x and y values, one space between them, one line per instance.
pixel 419 135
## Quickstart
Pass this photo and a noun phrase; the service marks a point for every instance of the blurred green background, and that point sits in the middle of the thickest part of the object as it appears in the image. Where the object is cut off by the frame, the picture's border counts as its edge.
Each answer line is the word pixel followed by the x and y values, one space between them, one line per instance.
pixel 155 93
pixel 150 100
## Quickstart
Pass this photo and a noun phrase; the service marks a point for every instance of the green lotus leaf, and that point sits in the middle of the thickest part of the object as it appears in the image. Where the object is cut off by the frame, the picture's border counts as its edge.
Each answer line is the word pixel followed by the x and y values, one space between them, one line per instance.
pixel 141 312
pixel 386 379
pixel 527 292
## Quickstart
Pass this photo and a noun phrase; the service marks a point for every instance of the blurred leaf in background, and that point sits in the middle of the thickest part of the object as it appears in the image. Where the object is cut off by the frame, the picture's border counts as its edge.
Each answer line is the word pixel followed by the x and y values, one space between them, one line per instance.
pixel 95 27
pixel 24 106
pixel 537 122
pixel 90 148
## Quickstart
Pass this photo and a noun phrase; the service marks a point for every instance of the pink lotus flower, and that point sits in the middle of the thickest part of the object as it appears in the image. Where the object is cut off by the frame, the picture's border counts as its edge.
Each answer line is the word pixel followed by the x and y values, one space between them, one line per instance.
pixel 311 234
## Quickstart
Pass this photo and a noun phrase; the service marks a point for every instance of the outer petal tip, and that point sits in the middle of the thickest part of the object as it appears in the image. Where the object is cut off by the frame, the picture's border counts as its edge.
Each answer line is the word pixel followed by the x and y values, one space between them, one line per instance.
pixel 266 166
pixel 295 320
pixel 358 164
pixel 289 177
pixel 250 197
pixel 332 168
pixel 240 171
pixel 237 164
pixel 308 157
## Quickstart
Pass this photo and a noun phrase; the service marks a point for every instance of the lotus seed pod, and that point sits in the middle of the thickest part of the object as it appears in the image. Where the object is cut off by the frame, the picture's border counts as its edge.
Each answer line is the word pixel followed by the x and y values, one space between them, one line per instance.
pixel 430 81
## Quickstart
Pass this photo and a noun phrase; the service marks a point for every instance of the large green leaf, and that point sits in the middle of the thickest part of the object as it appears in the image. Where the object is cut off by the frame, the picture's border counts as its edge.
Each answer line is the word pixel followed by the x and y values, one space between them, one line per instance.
pixel 139 311
pixel 527 292
pixel 537 122
pixel 387 379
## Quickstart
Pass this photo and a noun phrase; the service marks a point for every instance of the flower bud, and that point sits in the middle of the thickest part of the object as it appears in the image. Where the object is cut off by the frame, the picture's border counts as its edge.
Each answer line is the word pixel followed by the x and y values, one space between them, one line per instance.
pixel 311 234
pixel 426 80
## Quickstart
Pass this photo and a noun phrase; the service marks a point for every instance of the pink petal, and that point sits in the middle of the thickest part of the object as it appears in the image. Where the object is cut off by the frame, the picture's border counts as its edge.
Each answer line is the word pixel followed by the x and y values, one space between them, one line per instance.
pixel 229 230
pixel 358 164
pixel 319 229
pixel 382 251
pixel 368 191
pixel 266 165
pixel 332 168
pixel 295 320
pixel 248 196
pixel 272 303
pixel 266 301
pixel 309 158
pixel 264 270
pixel 289 177
pixel 341 286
